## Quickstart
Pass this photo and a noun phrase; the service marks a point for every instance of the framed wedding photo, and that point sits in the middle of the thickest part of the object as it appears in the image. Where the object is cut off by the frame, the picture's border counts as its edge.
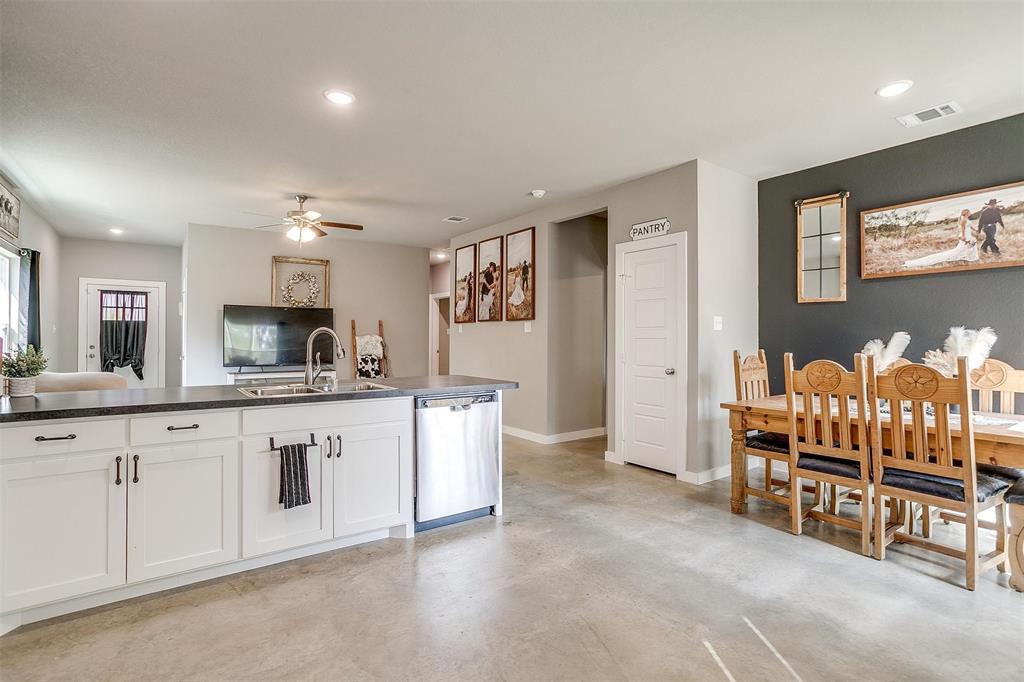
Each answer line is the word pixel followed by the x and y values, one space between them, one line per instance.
pixel 489 302
pixel 974 230
pixel 465 289
pixel 520 276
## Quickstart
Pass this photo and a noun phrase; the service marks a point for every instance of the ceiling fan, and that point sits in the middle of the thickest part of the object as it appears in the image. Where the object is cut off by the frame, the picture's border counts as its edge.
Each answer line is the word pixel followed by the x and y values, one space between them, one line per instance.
pixel 305 226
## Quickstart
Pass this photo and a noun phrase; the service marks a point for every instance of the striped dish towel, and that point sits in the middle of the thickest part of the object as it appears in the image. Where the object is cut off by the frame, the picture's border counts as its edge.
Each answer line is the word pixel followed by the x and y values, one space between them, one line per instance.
pixel 294 490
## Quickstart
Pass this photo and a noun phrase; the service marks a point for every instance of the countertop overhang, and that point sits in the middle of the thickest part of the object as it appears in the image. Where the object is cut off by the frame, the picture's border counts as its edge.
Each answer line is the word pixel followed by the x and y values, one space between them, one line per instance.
pixel 81 404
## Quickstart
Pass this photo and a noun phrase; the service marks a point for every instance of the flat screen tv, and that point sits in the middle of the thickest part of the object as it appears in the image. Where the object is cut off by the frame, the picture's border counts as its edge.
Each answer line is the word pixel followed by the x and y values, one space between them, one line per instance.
pixel 263 336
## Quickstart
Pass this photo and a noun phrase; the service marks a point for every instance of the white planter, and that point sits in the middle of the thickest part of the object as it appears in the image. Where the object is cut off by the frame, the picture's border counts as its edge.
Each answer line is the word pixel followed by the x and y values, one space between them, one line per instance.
pixel 20 387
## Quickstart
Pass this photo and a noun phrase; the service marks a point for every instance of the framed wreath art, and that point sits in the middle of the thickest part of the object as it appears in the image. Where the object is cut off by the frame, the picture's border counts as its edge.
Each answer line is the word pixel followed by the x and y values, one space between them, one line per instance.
pixel 300 282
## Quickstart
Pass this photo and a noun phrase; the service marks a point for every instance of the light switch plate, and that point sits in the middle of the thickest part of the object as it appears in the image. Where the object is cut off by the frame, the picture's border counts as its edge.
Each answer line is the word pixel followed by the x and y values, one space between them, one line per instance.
pixel 527 327
pixel 716 323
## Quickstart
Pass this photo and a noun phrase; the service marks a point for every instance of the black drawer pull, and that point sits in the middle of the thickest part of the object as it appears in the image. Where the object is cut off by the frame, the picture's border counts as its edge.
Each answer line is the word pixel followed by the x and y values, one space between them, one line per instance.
pixel 43 439
pixel 135 458
pixel 182 428
pixel 117 481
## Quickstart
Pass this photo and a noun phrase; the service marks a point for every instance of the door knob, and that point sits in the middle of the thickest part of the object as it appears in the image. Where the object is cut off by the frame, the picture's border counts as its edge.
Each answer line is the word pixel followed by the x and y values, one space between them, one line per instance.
pixel 670 370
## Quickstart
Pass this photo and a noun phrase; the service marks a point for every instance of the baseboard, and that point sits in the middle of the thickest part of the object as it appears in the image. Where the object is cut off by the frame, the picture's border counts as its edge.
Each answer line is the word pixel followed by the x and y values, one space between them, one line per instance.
pixel 612 457
pixel 553 438
pixel 702 477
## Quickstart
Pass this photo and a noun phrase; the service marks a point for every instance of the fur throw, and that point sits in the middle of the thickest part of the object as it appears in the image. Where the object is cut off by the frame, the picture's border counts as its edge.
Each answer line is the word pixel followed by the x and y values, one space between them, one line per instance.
pixel 370 344
pixel 886 354
pixel 974 344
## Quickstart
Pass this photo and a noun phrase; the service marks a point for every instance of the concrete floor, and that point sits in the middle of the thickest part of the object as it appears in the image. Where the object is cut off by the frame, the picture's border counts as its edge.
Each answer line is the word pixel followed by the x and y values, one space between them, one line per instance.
pixel 596 572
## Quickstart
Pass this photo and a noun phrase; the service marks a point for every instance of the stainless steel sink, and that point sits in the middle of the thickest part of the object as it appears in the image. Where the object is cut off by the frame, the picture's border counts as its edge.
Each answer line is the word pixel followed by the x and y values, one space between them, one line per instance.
pixel 282 391
pixel 303 389
pixel 361 386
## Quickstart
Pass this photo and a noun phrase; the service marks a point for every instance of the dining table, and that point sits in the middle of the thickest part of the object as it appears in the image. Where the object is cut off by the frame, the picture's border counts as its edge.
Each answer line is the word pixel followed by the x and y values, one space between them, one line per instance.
pixel 998 440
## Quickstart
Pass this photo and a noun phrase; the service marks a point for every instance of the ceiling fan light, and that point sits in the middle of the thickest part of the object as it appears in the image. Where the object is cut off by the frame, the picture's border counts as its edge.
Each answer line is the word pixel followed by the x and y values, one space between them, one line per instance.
pixel 295 233
pixel 311 216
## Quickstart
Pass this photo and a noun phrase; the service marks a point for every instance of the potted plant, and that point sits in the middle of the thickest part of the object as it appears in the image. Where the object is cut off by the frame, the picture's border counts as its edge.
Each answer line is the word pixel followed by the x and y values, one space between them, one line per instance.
pixel 21 368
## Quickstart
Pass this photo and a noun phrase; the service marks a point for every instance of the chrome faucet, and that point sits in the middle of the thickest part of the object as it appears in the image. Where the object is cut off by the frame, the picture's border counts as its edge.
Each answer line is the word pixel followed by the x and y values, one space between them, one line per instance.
pixel 312 372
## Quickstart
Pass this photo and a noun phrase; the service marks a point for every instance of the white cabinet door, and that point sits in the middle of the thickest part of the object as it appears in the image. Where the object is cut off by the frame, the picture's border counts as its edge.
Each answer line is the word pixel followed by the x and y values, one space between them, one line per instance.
pixel 372 478
pixel 182 507
pixel 62 528
pixel 266 525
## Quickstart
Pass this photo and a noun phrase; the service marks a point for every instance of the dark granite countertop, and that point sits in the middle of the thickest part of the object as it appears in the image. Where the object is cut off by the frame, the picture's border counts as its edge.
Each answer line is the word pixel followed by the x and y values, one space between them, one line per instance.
pixel 78 404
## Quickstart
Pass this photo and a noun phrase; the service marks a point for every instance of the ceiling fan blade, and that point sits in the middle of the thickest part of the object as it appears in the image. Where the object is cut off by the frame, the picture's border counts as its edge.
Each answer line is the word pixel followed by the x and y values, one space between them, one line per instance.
pixel 346 226
pixel 264 215
pixel 261 227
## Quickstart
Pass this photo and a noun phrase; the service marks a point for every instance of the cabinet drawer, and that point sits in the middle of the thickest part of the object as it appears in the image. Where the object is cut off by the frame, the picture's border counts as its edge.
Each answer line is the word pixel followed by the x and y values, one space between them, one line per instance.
pixel 183 427
pixel 325 415
pixel 44 438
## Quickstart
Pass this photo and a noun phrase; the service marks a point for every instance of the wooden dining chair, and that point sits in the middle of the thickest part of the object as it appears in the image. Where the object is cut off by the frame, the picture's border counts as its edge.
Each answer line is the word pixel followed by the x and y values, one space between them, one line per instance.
pixel 996 379
pixel 895 365
pixel 920 461
pixel 827 441
pixel 751 373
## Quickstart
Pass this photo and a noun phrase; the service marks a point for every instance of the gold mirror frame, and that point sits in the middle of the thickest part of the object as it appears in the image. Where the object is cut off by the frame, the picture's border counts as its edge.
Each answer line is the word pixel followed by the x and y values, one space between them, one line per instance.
pixel 815 237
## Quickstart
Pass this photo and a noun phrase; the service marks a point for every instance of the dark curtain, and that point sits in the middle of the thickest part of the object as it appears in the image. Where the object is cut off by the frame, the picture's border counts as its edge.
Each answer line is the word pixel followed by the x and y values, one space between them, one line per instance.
pixel 28 297
pixel 123 330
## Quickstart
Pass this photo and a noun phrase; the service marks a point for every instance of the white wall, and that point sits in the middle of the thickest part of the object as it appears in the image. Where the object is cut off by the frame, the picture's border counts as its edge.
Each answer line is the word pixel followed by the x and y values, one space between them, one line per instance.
pixel 439 277
pixel 727 282
pixel 369 281
pixel 119 260
pixel 37 234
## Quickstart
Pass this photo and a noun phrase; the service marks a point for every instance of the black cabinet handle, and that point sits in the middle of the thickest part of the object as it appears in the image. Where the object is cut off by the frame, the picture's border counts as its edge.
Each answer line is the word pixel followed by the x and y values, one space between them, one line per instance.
pixel 330 447
pixel 182 428
pixel 43 439
pixel 338 453
pixel 135 458
pixel 117 481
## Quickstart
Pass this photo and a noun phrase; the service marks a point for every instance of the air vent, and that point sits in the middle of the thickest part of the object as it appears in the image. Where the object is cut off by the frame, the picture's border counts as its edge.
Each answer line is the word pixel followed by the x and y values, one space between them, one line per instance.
pixel 930 114
pixel 455 219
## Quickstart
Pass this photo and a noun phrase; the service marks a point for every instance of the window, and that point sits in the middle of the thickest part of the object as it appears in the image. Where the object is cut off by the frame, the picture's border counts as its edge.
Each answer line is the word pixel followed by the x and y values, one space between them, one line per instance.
pixel 9 263
pixel 123 306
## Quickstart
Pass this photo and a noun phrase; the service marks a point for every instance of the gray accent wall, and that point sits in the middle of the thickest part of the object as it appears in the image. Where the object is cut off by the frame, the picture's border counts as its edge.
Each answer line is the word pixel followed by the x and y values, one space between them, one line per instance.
pixel 925 306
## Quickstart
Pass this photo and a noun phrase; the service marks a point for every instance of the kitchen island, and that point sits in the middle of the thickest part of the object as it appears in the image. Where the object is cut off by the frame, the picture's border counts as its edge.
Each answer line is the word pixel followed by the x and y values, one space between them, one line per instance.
pixel 107 495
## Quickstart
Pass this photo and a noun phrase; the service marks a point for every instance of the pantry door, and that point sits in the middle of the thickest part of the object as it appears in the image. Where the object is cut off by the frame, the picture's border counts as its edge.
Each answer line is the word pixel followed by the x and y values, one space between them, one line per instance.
pixel 149 306
pixel 651 342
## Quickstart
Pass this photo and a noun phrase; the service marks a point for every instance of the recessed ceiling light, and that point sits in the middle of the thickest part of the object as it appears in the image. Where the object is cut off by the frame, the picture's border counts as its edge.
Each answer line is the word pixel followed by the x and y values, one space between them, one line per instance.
pixel 116 230
pixel 339 97
pixel 895 88
pixel 538 193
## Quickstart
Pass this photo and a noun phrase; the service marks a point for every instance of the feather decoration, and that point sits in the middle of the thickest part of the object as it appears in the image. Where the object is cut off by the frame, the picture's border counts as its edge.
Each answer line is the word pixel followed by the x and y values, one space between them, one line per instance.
pixel 886 354
pixel 974 344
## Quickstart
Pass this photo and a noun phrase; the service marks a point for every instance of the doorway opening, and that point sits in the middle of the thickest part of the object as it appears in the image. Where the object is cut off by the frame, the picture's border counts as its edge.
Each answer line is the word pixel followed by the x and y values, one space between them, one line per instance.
pixel 439 325
pixel 578 327
pixel 122 329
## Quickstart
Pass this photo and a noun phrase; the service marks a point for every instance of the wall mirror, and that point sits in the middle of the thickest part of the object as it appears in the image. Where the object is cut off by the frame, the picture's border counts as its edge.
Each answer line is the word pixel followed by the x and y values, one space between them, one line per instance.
pixel 821 248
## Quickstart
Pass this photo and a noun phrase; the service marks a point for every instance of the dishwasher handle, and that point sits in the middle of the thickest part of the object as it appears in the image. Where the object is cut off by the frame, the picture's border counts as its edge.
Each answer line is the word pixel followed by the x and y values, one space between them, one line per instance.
pixel 456 403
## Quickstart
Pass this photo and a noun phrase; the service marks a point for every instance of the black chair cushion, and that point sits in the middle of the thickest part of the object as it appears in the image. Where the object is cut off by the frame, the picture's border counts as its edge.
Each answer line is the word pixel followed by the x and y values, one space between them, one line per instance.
pixel 766 440
pixel 1015 495
pixel 940 486
pixel 830 465
pixel 1008 474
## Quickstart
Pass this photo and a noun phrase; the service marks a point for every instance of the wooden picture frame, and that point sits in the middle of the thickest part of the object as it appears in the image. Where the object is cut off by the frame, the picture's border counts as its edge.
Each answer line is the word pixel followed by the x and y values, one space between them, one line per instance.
pixel 929 231
pixel 821 249
pixel 284 268
pixel 10 215
pixel 465 284
pixel 490 306
pixel 521 254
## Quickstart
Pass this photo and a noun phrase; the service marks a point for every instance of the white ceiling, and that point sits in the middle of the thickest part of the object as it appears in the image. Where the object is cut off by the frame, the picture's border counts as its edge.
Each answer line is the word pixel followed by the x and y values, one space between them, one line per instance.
pixel 148 116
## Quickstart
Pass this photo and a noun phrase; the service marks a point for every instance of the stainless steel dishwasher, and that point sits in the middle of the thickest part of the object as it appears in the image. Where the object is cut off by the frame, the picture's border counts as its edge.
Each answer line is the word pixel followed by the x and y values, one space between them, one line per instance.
pixel 456 458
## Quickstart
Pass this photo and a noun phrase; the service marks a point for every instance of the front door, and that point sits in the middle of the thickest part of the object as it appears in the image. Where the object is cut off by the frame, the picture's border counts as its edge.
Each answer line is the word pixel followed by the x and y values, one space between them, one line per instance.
pixel 121 303
pixel 651 391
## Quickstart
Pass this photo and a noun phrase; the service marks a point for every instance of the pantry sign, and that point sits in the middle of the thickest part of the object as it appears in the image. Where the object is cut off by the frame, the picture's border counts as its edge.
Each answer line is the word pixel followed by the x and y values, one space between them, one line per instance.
pixel 651 228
